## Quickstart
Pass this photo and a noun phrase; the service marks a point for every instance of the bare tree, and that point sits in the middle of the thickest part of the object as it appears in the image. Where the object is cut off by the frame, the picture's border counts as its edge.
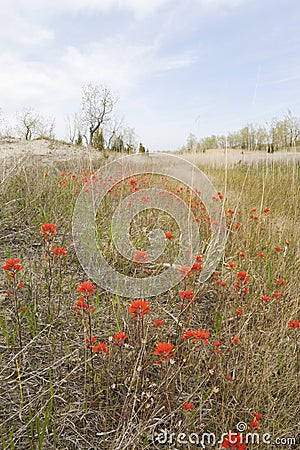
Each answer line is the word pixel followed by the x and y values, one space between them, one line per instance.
pixel 75 127
pixel 292 128
pixel 121 138
pixel 31 124
pixel 97 105
pixel 113 131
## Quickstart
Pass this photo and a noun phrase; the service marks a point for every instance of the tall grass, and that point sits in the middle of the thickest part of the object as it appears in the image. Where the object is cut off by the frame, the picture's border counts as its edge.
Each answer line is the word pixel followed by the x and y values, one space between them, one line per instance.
pixel 55 393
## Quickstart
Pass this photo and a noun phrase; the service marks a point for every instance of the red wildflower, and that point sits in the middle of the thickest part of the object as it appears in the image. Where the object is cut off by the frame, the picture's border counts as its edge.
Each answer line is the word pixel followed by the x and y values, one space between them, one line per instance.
pixel 266 210
pixel 265 298
pixel 164 350
pixel 234 441
pixel 282 282
pixel 158 323
pixel 199 258
pixel 235 340
pixel 133 182
pixel 12 265
pixel 239 311
pixel 185 270
pixel 277 294
pixel 120 338
pixel 139 308
pixel 187 295
pixel 196 267
pixel 82 306
pixel 48 230
pixel 188 406
pixel 169 235
pixel 278 249
pixel 217 344
pixel 87 288
pixel 261 255
pixel 231 265
pixel 59 252
pixel 254 424
pixel 188 334
pixel 91 341
pixel 242 255
pixel 141 256
pixel 243 277
pixel 196 335
pixel 294 324
pixel 258 416
pixel 101 348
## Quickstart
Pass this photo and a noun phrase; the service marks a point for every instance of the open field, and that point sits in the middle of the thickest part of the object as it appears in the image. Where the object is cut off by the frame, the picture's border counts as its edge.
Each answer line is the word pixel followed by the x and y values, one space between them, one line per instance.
pixel 229 350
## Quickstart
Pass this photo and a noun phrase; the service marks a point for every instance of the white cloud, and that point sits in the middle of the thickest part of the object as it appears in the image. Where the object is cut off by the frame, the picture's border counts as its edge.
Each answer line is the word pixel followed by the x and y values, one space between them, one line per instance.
pixel 37 71
pixel 21 28
pixel 139 8
pixel 113 62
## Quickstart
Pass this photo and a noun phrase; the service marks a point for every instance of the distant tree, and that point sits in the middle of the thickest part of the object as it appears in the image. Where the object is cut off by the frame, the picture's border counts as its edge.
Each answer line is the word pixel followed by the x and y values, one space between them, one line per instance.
pixel 191 143
pixel 97 105
pixel 79 139
pixel 112 131
pixel 272 136
pixel 118 144
pixel 261 138
pixel 210 142
pixel 129 139
pixel 292 128
pixel 74 126
pixel 28 123
pixel 142 148
pixel 31 124
pixel 98 140
pixel 222 141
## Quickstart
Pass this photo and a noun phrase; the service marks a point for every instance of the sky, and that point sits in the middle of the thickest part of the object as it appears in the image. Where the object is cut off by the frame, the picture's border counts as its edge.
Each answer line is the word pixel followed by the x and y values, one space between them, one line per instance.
pixel 175 66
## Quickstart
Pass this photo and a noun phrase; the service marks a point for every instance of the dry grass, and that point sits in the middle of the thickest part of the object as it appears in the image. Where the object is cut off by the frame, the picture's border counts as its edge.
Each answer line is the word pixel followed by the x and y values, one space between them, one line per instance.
pixel 56 394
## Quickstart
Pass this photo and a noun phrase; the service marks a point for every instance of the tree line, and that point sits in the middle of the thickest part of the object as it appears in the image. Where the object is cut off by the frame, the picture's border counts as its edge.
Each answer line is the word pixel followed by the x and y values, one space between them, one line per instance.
pixel 278 134
pixel 94 125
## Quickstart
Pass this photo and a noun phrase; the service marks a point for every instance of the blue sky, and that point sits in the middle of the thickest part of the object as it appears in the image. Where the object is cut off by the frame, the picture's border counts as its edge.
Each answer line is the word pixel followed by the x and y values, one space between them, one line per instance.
pixel 177 67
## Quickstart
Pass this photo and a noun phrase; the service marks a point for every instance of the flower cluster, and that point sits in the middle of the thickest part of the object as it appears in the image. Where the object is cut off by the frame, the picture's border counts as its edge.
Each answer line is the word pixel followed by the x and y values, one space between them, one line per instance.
pixel 139 308
pixel 165 351
pixel 48 230
pixel 294 324
pixel 83 307
pixel 196 335
pixel 187 295
pixel 234 441
pixel 12 267
pixel 243 281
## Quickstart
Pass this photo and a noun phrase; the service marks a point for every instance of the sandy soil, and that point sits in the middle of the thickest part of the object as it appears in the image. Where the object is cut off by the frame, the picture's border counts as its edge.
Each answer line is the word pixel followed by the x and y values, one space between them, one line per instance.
pixel 13 150
pixel 17 151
